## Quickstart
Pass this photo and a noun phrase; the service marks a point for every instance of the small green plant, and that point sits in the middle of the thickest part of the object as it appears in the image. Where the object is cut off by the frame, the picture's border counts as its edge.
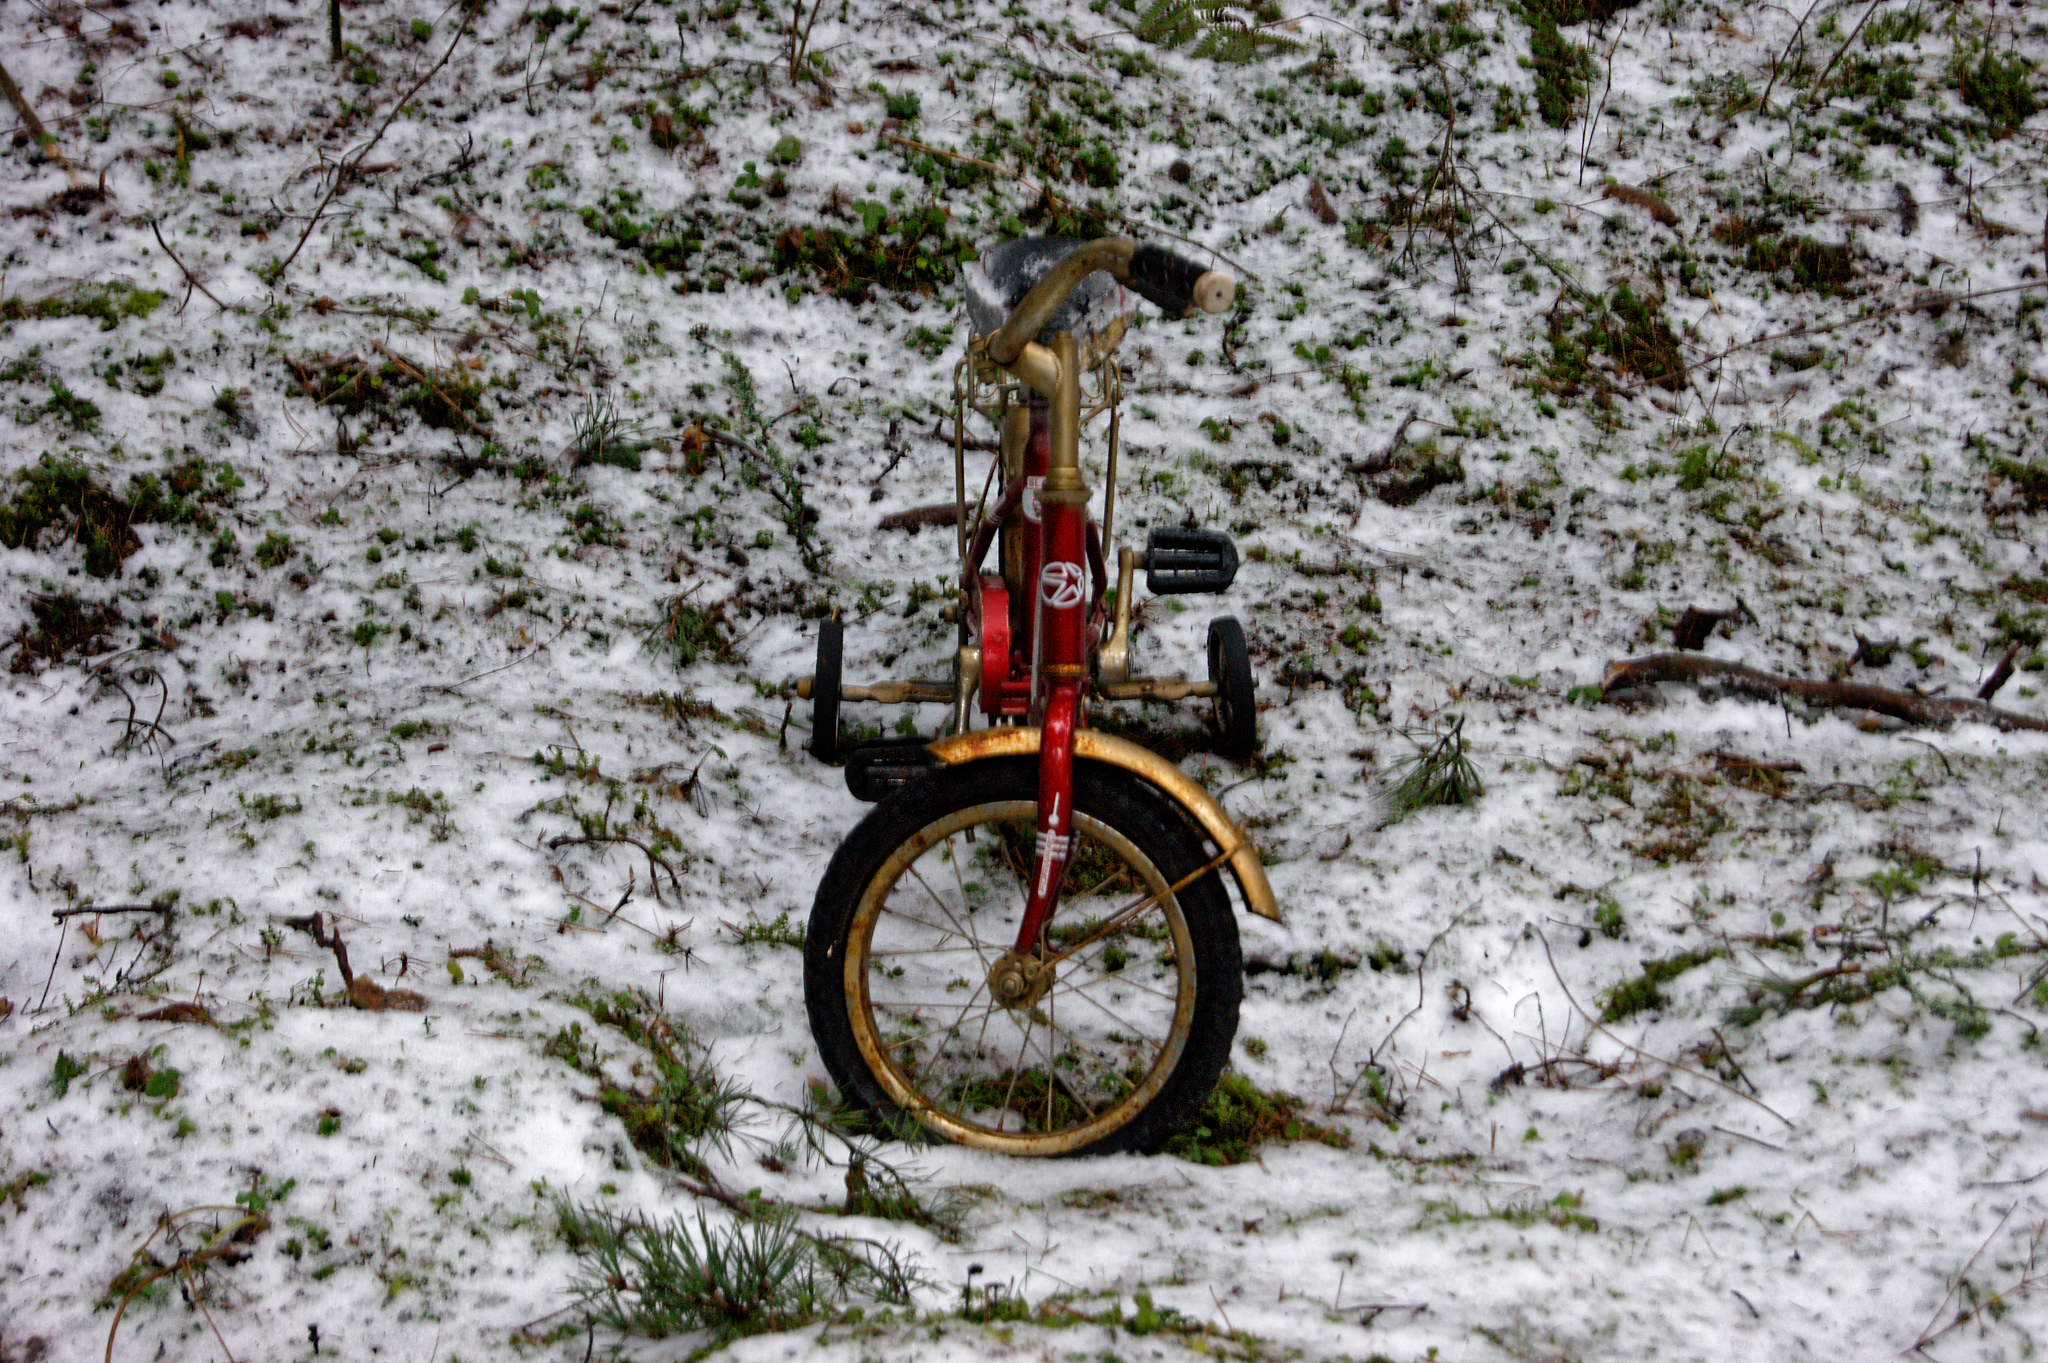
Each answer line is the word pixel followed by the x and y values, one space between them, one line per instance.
pixel 735 1279
pixel 1644 993
pixel 1238 1117
pixel 274 550
pixel 778 933
pixel 268 807
pixel 63 1072
pixel 1997 88
pixel 685 631
pixel 604 435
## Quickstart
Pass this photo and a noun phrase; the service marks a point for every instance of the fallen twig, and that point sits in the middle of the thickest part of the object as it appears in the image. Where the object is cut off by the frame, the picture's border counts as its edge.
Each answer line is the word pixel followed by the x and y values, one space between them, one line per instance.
pixel 34 125
pixel 1904 705
pixel 346 168
pixel 1594 1024
pixel 225 1242
pixel 1939 300
pixel 1928 1334
pixel 113 908
pixel 362 992
pixel 453 406
pixel 449 687
pixel 654 859
pixel 190 278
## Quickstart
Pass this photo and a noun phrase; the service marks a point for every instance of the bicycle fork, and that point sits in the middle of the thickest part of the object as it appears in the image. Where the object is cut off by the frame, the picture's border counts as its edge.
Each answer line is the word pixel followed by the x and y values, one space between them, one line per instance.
pixel 1059 639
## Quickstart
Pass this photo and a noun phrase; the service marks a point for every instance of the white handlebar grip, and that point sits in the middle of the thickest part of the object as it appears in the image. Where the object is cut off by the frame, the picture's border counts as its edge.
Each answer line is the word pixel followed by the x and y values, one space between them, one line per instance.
pixel 1215 291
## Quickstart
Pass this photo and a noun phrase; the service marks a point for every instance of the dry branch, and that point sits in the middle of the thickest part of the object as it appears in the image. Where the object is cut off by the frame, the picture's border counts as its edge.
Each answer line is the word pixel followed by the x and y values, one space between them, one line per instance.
pixel 451 403
pixel 1594 1024
pixel 35 125
pixel 349 166
pixel 1924 304
pixel 190 278
pixel 362 992
pixel 1904 705
pixel 1643 199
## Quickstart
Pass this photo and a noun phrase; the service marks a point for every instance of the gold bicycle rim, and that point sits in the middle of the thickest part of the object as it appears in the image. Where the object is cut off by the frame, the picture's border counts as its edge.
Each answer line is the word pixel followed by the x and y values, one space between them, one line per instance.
pixel 891 1033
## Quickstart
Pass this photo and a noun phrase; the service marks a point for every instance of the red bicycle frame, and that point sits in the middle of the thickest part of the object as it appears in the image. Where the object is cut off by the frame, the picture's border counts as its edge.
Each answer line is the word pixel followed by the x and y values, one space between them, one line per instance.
pixel 1044 635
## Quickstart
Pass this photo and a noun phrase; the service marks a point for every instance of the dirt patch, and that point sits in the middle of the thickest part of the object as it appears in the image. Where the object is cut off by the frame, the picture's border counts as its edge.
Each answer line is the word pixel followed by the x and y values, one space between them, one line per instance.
pixel 355 387
pixel 63 627
pixel 1799 262
pixel 910 253
pixel 65 495
pixel 1630 331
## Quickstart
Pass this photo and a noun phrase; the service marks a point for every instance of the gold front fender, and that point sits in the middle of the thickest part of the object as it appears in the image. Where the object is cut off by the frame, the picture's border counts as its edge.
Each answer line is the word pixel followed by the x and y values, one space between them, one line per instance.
pixel 1092 746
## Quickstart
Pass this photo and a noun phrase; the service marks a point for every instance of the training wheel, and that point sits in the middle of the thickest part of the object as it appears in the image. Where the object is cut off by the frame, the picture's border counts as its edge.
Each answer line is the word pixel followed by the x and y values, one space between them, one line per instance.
pixel 1230 668
pixel 825 690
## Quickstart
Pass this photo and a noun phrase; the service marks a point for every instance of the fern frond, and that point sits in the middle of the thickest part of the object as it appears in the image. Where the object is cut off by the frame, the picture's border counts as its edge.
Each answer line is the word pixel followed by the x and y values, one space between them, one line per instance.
pixel 1220 30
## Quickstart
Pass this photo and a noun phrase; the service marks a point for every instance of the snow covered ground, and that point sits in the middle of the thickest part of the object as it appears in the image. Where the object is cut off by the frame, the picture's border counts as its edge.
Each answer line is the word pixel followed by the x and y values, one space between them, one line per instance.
pixel 1709 1031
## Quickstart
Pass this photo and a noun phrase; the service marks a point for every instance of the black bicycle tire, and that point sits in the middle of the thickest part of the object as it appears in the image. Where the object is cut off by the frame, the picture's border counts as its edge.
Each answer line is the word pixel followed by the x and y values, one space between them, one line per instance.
pixel 1230 667
pixel 1110 798
pixel 825 683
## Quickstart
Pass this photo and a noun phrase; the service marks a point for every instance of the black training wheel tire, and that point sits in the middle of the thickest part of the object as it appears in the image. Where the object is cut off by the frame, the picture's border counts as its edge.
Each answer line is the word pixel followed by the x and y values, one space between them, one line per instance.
pixel 925 895
pixel 825 690
pixel 1230 667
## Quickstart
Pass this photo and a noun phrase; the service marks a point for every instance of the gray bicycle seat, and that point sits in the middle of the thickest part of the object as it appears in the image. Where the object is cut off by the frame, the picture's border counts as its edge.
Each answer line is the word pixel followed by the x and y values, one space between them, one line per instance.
pixel 998 282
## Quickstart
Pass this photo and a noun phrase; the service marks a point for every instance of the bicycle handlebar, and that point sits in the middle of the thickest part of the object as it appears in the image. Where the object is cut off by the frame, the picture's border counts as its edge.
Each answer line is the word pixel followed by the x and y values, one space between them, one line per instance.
pixel 1172 283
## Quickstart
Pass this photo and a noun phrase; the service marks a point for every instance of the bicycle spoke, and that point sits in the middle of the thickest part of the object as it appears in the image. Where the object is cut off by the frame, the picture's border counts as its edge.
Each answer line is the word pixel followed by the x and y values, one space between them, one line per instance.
pixel 917 1079
pixel 1017 1070
pixel 1123 1024
pixel 957 929
pixel 919 951
pixel 980 1043
pixel 1122 977
pixel 1108 1067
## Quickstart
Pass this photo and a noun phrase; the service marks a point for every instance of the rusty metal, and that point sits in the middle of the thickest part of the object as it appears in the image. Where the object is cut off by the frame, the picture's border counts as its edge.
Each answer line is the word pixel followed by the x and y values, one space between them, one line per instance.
pixel 893 692
pixel 1155 688
pixel 1095 746
pixel 1019 979
pixel 904 1086
pixel 1114 658
pixel 1038 369
pixel 966 682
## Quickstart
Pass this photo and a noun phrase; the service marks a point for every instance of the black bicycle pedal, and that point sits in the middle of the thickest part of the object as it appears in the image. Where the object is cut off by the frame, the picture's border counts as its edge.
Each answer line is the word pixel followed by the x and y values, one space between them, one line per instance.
pixel 881 766
pixel 1183 562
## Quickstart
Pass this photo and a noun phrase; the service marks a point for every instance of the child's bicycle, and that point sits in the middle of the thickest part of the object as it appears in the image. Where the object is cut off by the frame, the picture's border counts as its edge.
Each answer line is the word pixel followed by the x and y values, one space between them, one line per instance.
pixel 1027 946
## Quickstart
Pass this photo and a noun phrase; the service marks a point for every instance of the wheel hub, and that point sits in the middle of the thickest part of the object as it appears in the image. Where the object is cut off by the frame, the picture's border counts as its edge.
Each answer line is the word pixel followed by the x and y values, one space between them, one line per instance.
pixel 1019 981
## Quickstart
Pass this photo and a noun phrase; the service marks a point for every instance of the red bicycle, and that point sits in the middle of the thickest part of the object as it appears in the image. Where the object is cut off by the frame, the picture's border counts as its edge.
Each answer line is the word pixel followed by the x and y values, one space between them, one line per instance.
pixel 1027 946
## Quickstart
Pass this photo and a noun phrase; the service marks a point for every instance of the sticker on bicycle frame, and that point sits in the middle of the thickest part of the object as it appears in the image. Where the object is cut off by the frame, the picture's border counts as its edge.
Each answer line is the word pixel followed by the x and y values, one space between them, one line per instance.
pixel 1031 487
pixel 1061 584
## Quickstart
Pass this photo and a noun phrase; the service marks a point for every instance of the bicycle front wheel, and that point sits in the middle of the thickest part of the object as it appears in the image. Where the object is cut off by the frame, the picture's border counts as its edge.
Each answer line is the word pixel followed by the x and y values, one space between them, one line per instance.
pixel 1118 1040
